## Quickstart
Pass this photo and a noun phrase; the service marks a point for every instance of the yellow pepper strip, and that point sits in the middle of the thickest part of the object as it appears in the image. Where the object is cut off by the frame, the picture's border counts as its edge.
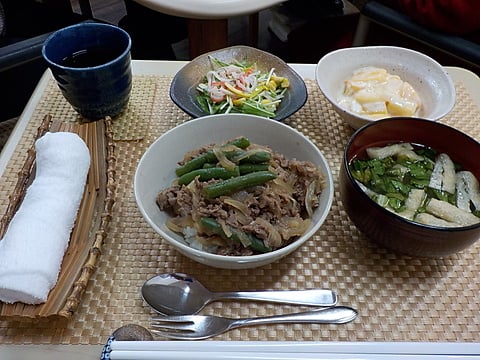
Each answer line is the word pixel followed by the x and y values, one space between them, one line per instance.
pixel 240 93
pixel 283 82
pixel 236 91
pixel 258 90
pixel 272 85
pixel 238 102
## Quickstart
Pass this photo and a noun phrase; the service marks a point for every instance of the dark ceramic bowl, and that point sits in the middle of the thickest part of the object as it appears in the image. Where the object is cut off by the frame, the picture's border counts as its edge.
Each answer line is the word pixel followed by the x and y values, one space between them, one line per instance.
pixel 183 90
pixel 389 229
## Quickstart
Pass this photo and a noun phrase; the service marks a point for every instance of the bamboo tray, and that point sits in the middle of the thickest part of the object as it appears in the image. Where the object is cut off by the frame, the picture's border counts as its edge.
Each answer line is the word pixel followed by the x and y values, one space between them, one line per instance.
pixel 90 228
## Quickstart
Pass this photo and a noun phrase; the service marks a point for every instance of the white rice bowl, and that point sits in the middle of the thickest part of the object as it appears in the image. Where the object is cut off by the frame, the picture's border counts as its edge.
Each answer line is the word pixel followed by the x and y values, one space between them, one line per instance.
pixel 156 171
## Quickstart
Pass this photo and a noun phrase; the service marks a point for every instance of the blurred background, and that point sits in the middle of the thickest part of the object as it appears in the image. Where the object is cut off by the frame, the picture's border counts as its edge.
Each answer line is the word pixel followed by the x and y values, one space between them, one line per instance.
pixel 298 31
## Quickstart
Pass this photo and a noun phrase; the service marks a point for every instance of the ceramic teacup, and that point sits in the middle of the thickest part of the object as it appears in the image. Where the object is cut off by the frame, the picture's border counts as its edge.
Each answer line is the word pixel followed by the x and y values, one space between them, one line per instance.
pixel 91 63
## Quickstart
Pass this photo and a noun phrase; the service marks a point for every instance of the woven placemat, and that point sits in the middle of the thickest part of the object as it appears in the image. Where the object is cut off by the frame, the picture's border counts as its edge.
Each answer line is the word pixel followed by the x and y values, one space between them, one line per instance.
pixel 398 298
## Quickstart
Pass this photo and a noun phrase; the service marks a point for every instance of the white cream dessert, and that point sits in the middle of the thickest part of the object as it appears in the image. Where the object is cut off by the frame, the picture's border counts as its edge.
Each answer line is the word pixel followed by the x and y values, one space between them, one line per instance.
pixel 375 93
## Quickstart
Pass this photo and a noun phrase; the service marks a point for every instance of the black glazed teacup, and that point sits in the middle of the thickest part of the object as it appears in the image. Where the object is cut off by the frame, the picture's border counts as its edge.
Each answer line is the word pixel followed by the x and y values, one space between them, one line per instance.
pixel 91 63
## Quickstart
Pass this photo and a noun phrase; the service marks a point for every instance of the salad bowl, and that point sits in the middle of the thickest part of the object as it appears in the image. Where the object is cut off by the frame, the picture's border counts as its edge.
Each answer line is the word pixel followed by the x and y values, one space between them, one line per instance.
pixel 184 92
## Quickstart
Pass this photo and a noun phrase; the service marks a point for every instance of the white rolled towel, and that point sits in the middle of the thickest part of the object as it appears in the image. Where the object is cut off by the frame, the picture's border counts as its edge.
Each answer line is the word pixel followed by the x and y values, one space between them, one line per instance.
pixel 32 250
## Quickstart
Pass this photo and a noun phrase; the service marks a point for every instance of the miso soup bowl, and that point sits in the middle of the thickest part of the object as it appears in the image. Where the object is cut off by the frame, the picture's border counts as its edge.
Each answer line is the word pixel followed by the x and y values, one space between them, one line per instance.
pixel 387 228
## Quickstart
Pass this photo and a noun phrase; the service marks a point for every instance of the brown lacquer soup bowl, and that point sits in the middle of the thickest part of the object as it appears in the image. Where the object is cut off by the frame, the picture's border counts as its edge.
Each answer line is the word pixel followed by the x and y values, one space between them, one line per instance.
pixel 386 227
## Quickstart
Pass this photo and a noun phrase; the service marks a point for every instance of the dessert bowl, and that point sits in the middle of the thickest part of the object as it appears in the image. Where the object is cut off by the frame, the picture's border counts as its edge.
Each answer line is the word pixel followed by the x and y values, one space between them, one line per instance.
pixel 428 78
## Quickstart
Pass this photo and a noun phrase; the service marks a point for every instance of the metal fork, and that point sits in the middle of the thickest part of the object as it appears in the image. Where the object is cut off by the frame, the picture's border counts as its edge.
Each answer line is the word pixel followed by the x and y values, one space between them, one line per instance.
pixel 198 327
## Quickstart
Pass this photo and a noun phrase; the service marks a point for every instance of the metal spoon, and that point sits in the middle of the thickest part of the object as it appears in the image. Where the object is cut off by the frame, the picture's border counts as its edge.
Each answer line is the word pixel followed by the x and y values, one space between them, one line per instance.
pixel 181 294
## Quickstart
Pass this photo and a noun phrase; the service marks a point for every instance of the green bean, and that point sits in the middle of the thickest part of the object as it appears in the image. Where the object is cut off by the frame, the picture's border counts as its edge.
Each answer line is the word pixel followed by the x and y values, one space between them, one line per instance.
pixel 249 168
pixel 214 227
pixel 241 142
pixel 235 184
pixel 195 163
pixel 237 156
pixel 207 174
pixel 208 156
pixel 257 157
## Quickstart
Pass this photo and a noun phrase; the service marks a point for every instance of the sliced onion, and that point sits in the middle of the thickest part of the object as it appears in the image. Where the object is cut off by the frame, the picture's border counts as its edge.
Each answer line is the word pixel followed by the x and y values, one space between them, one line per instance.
pixel 242 195
pixel 225 228
pixel 222 159
pixel 192 187
pixel 210 240
pixel 247 154
pixel 294 226
pixel 196 200
pixel 309 197
pixel 274 239
pixel 244 239
pixel 283 186
pixel 174 227
pixel 241 206
pixel 179 224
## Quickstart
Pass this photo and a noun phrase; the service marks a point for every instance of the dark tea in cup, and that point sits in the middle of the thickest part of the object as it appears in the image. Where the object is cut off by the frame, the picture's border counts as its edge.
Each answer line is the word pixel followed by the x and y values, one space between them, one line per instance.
pixel 87 58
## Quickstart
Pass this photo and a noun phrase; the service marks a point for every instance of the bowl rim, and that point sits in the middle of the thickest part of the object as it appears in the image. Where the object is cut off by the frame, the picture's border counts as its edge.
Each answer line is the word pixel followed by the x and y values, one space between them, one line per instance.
pixel 393 215
pixel 302 96
pixel 215 258
pixel 338 52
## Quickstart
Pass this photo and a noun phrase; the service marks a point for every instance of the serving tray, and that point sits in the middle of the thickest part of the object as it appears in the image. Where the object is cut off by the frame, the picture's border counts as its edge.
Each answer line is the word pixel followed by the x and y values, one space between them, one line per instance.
pixel 398 298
